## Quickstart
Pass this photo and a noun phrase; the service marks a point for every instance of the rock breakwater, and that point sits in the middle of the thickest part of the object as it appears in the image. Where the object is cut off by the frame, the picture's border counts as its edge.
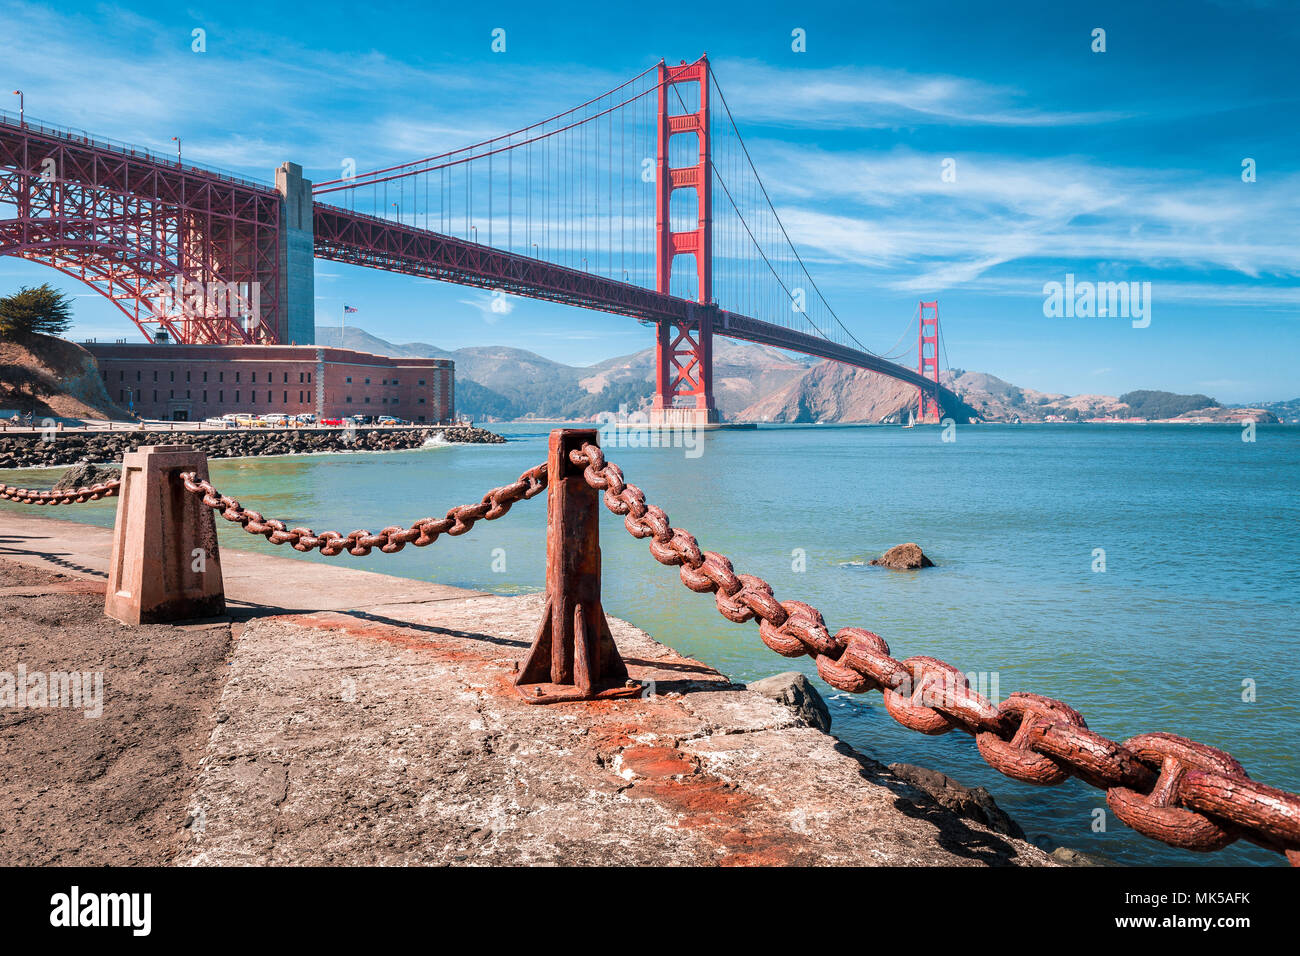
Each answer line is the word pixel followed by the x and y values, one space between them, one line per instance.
pixel 68 448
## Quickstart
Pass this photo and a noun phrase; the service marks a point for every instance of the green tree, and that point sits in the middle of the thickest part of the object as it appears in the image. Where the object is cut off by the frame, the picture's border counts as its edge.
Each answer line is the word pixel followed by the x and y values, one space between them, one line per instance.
pixel 43 310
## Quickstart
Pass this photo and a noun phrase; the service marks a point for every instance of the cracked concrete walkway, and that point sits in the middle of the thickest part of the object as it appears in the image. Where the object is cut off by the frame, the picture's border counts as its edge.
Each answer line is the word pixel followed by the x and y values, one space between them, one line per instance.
pixel 372 720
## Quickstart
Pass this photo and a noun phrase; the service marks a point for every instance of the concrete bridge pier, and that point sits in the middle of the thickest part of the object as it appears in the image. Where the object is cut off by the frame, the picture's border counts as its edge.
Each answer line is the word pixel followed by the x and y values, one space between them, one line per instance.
pixel 297 257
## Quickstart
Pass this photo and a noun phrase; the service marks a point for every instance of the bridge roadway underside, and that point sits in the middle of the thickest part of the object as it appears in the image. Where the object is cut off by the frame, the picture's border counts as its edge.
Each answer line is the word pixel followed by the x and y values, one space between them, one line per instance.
pixel 345 236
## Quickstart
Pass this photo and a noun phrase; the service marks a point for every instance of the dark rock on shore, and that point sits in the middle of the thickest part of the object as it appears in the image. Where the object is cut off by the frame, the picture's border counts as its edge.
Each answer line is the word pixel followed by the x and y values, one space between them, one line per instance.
pixel 904 557
pixel 796 692
pixel 973 803
pixel 84 474
pixel 69 448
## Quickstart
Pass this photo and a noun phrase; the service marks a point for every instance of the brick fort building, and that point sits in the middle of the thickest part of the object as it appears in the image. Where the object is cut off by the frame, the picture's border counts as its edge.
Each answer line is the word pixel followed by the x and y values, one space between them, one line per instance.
pixel 194 382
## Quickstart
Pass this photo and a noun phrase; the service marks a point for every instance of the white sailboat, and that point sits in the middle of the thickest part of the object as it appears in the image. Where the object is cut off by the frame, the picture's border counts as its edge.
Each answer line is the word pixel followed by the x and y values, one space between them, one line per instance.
pixel 910 420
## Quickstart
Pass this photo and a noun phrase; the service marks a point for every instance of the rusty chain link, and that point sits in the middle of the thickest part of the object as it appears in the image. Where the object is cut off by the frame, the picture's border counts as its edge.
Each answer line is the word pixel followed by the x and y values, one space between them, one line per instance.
pixel 360 543
pixel 1169 788
pixel 73 496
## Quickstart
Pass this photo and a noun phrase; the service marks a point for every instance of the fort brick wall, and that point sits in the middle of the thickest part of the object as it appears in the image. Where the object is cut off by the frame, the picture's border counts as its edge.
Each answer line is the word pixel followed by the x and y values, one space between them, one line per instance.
pixel 194 382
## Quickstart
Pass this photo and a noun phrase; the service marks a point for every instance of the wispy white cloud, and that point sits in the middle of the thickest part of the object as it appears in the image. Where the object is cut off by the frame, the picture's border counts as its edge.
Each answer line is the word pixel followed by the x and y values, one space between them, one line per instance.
pixel 491 306
pixel 249 103
pixel 892 213
pixel 871 98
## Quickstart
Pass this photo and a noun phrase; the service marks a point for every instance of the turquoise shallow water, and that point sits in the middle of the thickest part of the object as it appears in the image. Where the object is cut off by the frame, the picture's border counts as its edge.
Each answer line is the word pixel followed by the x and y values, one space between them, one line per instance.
pixel 1199 593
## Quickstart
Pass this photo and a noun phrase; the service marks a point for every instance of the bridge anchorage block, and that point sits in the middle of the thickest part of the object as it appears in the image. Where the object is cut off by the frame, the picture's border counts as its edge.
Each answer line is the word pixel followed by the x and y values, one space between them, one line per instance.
pixel 165 565
pixel 573 655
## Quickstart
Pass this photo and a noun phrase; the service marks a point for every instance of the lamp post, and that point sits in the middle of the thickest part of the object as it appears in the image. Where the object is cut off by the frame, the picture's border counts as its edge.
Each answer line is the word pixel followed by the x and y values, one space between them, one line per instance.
pixel 177 141
pixel 22 108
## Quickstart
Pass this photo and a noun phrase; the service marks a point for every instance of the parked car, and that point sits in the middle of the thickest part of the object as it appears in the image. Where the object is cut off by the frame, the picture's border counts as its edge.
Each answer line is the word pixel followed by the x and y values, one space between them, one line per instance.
pixel 304 419
pixel 245 421
pixel 274 420
pixel 331 422
pixel 389 420
pixel 217 422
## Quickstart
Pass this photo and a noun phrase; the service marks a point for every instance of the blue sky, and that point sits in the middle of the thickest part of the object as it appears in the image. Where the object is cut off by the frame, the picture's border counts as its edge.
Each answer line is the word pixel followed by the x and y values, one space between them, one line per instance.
pixel 1122 165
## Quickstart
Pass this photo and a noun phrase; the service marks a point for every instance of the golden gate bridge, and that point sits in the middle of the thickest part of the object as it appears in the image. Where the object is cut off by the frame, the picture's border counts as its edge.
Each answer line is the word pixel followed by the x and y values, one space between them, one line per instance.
pixel 643 201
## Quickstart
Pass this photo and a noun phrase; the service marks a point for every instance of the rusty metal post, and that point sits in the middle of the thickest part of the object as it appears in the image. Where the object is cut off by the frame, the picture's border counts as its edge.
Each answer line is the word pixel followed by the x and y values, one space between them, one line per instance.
pixel 573 656
pixel 165 565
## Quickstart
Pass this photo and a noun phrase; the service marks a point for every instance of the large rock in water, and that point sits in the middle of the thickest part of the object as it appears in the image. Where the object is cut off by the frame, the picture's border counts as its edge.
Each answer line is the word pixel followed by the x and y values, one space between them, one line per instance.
pixel 796 692
pixel 904 557
pixel 86 473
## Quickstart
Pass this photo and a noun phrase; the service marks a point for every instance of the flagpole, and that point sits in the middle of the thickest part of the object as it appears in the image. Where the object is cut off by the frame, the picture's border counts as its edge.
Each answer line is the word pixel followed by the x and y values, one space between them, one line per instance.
pixel 343 320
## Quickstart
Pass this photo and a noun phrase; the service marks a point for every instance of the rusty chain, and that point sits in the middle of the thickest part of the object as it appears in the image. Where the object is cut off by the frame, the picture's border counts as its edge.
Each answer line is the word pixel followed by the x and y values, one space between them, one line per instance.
pixel 72 496
pixel 360 543
pixel 1166 787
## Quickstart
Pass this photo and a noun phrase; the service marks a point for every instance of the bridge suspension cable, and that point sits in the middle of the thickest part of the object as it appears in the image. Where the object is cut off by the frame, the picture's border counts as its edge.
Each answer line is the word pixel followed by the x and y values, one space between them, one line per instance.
pixel 578 190
pixel 569 190
pixel 764 227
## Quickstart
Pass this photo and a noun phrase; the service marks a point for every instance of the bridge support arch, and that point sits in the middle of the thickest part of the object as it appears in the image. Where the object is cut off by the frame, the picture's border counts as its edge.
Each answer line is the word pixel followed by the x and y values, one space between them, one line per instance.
pixel 178 249
pixel 684 348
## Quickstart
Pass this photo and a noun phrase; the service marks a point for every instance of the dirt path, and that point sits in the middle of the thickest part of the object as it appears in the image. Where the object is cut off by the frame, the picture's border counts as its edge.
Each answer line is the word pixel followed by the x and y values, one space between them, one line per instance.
pixel 110 789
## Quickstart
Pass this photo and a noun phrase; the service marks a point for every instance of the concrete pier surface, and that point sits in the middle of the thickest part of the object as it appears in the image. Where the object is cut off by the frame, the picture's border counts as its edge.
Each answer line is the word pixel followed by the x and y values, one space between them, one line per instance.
pixel 341 716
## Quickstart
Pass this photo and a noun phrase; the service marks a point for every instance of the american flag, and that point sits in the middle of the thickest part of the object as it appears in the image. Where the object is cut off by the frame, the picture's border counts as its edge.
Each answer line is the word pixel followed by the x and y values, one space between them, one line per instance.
pixel 348 308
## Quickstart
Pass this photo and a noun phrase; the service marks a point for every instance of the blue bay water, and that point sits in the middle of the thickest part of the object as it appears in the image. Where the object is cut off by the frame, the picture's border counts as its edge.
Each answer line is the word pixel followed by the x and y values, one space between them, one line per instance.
pixel 1197 600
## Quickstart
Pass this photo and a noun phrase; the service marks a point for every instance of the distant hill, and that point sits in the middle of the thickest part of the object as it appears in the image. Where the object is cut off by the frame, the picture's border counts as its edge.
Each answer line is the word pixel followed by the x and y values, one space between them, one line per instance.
pixel 833 392
pixel 997 400
pixel 759 383
pixel 743 372
pixel 1287 411
pixel 361 340
pixel 500 382
pixel 1150 404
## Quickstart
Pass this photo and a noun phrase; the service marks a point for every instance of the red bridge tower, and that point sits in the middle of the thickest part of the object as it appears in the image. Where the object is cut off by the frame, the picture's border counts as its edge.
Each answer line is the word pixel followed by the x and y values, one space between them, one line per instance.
pixel 927 362
pixel 684 350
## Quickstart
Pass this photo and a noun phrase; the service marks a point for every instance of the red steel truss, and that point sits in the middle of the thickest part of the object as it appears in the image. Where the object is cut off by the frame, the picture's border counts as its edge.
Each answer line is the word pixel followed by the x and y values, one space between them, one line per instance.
pixel 177 249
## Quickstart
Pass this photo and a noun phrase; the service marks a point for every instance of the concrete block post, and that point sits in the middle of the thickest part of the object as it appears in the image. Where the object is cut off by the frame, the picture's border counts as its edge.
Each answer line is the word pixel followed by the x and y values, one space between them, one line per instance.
pixel 165 565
